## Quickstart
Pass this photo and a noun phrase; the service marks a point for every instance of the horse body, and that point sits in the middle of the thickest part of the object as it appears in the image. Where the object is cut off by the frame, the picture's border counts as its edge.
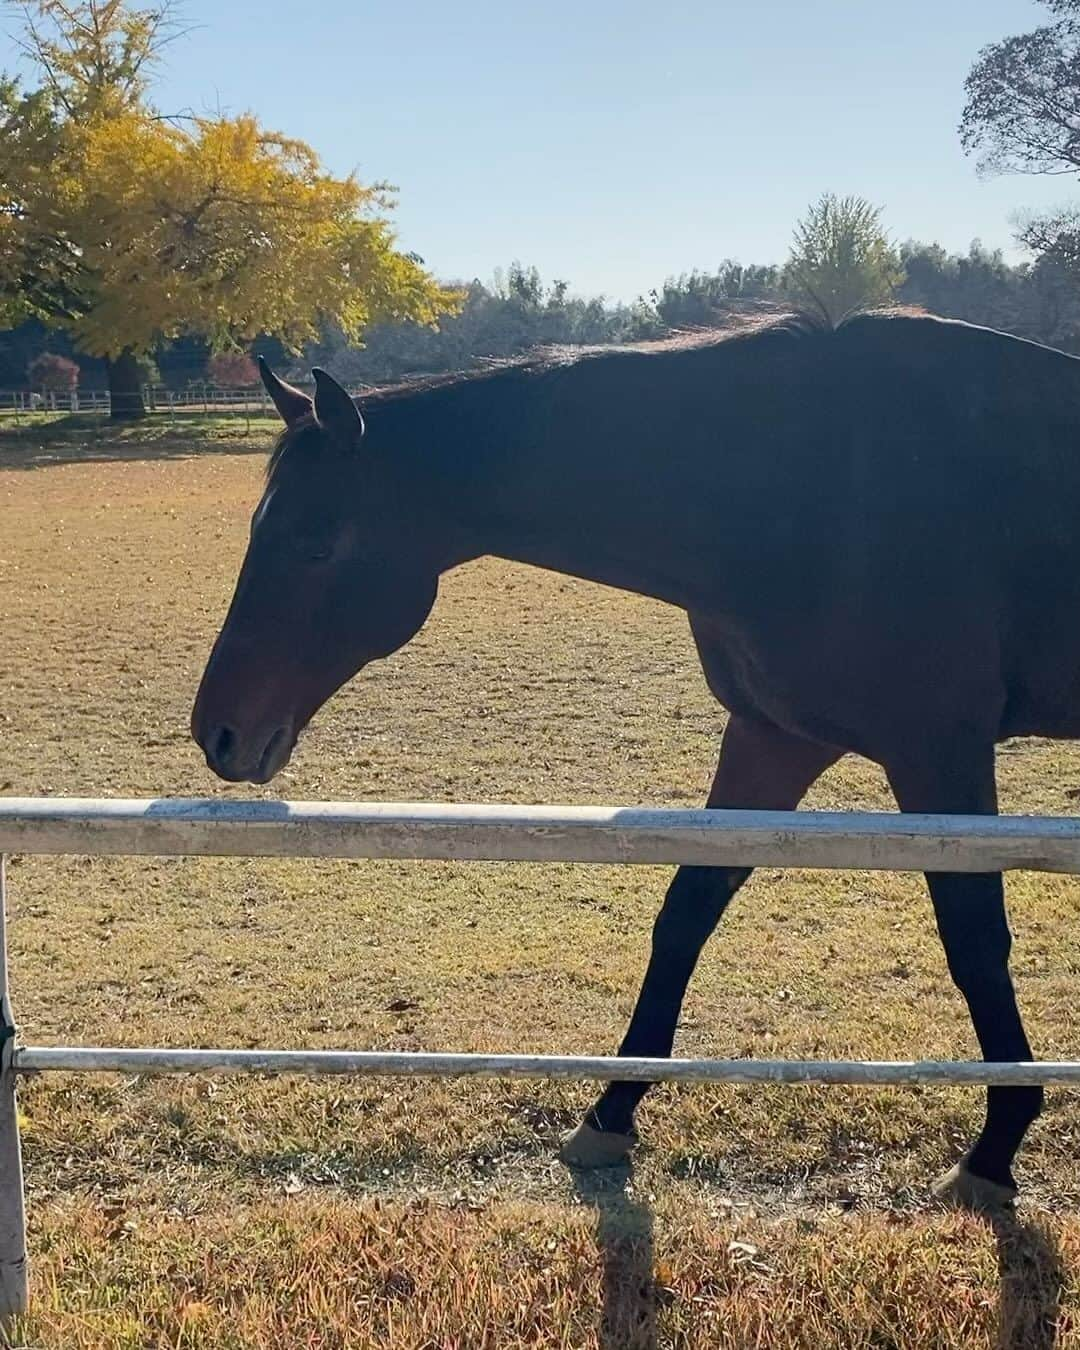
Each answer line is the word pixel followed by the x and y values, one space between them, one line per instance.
pixel 883 516
pixel 873 530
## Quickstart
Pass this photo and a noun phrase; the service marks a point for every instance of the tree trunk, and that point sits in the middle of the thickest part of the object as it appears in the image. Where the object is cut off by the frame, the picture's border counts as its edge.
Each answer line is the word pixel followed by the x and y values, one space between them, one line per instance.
pixel 125 389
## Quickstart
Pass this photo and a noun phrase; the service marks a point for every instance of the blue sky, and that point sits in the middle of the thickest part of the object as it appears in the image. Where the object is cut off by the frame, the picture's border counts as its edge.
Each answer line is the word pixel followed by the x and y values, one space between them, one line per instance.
pixel 616 142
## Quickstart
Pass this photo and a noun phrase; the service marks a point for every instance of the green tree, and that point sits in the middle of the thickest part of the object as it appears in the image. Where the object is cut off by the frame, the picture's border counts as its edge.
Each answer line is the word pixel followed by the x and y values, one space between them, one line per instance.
pixel 841 258
pixel 706 299
pixel 517 312
pixel 979 286
pixel 1038 300
pixel 133 229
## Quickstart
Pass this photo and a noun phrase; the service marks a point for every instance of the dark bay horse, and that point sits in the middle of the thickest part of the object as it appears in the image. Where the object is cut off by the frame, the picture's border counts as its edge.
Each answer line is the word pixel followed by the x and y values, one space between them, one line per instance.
pixel 874 530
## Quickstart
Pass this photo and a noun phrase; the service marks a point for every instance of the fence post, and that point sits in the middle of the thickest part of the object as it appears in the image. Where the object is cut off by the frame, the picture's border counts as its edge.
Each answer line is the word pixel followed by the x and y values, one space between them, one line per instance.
pixel 13 1274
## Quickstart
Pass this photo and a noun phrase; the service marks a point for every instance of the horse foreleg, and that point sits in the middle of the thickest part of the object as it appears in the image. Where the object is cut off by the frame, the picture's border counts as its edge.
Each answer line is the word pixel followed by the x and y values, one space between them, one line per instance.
pixel 760 768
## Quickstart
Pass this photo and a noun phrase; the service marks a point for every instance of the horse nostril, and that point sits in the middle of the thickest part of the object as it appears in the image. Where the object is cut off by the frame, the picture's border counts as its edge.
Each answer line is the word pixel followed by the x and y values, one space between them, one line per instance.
pixel 221 744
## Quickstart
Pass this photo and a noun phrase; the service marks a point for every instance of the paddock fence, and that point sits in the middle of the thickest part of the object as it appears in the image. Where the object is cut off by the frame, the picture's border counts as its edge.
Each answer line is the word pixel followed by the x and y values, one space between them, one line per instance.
pixel 244 401
pixel 181 827
pixel 195 398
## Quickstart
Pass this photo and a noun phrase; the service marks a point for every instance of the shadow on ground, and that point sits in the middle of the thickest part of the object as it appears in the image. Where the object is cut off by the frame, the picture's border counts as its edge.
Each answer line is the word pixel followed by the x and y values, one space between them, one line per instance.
pixel 82 439
pixel 1030 1269
pixel 1032 1278
pixel 624 1235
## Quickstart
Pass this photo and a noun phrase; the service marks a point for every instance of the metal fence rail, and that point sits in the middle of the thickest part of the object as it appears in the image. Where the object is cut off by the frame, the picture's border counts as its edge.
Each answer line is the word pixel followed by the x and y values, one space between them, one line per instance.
pixel 196 397
pixel 205 398
pixel 589 834
pixel 170 826
pixel 593 1068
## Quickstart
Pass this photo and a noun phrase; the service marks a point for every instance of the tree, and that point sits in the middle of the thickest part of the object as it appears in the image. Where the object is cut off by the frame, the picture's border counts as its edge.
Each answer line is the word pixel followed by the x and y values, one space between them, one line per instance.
pixel 39 267
pixel 1037 300
pixel 517 312
pixel 978 286
pixel 841 258
pixel 232 369
pixel 1022 115
pixel 704 299
pixel 1022 109
pixel 53 374
pixel 93 59
pixel 138 229
pixel 96 55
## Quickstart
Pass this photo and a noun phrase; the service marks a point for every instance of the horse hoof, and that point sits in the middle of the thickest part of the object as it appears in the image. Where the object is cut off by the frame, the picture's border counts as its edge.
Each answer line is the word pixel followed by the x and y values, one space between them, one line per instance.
pixel 586 1147
pixel 961 1189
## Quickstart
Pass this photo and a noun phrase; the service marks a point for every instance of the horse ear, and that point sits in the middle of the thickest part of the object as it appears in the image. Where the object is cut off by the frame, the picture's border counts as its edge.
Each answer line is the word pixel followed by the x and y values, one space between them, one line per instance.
pixel 335 410
pixel 292 404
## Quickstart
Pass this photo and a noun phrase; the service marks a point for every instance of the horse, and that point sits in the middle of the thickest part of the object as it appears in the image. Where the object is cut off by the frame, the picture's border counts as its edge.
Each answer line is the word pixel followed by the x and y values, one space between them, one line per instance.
pixel 873 527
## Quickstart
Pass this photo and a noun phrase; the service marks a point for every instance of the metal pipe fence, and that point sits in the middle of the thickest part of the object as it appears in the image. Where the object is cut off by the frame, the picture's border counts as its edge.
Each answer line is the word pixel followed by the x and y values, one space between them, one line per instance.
pixel 171 826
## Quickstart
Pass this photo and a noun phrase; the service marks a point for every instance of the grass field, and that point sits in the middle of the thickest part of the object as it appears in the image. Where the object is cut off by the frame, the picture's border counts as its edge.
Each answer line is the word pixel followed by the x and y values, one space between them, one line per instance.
pixel 260 1213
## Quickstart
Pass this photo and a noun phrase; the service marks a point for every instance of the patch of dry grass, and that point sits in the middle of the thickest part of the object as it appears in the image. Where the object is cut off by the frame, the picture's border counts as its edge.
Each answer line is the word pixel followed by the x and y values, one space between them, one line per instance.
pixel 608 1274
pixel 524 687
pixel 34 439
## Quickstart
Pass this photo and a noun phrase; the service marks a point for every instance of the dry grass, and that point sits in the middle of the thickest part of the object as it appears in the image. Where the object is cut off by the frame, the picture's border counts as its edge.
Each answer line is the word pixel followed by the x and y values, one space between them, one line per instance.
pixel 201 1213
pixel 317 1274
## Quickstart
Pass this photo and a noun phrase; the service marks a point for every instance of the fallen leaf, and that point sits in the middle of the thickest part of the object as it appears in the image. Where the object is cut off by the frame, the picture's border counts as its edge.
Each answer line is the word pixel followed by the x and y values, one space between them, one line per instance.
pixel 742 1251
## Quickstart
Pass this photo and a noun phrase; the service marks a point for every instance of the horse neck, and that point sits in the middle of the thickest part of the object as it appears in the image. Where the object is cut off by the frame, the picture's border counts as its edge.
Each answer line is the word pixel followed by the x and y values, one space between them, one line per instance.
pixel 539 470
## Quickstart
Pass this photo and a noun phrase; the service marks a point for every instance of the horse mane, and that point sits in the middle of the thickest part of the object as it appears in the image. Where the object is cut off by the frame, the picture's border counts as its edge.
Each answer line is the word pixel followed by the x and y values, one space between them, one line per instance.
pixel 557 356
pixel 738 327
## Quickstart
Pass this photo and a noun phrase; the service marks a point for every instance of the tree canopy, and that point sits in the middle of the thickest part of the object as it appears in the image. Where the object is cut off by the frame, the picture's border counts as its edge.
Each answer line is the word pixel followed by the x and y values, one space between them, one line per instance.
pixel 1022 109
pixel 126 232
pixel 128 227
pixel 1022 115
pixel 841 258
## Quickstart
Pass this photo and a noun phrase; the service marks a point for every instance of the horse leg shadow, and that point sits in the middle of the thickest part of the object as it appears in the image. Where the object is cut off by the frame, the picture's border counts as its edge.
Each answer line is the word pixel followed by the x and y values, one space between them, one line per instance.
pixel 1032 1277
pixel 624 1234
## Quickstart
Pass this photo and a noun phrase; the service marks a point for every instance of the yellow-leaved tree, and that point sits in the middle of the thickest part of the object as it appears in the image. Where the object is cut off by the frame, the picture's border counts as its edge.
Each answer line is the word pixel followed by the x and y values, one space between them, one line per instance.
pixel 128 228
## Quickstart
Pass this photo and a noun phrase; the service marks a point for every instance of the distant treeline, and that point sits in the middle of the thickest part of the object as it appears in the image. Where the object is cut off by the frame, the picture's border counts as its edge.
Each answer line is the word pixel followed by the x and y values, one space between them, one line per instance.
pixel 518 311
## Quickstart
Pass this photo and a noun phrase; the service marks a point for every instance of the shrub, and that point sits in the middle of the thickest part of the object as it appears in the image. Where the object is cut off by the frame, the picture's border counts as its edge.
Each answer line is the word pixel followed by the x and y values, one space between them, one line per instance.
pixel 53 374
pixel 232 368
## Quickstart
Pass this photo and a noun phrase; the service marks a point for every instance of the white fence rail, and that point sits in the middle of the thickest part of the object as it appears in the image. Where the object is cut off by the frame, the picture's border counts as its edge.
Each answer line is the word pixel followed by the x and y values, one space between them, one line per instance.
pixel 594 1068
pixel 205 398
pixel 589 834
pixel 169 826
pixel 251 401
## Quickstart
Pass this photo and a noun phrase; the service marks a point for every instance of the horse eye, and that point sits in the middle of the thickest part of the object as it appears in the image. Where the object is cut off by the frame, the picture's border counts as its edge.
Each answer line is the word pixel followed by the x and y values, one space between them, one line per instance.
pixel 313 550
